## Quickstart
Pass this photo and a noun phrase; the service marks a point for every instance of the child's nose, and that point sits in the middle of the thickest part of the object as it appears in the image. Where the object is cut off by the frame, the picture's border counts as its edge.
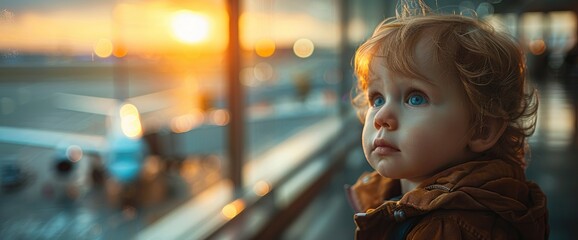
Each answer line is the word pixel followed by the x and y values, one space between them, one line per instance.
pixel 386 118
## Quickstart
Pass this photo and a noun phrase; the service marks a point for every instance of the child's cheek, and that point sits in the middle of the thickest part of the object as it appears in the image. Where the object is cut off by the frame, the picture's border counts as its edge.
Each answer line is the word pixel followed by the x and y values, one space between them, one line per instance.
pixel 367 138
pixel 423 134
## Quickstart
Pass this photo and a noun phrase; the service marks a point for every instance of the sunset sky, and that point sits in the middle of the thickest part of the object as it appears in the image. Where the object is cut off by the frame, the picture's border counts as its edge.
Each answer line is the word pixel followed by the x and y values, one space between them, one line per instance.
pixel 78 27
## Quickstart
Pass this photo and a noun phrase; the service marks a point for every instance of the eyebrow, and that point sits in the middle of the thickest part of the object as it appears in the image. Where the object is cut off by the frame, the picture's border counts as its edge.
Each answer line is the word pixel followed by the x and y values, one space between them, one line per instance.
pixel 420 78
pixel 426 80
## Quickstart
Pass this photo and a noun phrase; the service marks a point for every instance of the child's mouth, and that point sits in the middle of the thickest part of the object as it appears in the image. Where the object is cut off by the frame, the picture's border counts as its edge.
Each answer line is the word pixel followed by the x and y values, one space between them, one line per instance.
pixel 385 150
pixel 382 147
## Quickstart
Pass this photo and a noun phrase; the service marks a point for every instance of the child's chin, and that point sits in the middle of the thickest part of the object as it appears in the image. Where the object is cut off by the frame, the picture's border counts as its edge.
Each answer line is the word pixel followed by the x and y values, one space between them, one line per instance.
pixel 389 173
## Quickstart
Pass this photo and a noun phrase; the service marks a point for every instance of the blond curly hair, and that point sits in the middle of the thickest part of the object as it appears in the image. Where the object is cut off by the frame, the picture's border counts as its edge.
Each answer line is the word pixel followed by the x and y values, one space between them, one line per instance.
pixel 489 64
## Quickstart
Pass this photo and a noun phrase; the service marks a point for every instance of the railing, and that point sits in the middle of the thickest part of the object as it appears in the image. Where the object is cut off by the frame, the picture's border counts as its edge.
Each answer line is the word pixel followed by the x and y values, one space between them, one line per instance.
pixel 293 172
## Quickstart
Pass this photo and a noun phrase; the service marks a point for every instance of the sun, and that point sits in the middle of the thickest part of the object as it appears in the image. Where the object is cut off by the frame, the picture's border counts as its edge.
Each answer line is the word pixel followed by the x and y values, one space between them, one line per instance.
pixel 190 27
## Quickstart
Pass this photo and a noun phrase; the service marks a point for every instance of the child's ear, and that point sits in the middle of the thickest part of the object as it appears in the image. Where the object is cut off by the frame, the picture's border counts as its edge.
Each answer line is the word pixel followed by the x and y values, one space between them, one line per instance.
pixel 485 137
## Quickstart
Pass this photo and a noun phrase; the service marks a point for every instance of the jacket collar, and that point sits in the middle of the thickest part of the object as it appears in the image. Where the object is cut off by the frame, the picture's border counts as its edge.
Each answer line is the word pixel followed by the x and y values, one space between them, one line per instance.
pixel 487 185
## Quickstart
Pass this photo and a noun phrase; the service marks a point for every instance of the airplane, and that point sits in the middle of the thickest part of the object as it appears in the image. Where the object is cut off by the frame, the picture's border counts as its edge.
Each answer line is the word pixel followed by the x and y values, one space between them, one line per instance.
pixel 122 149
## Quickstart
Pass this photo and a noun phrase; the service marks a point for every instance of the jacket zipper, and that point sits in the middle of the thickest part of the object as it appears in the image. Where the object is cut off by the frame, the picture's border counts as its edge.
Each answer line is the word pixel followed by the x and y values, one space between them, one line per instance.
pixel 438 187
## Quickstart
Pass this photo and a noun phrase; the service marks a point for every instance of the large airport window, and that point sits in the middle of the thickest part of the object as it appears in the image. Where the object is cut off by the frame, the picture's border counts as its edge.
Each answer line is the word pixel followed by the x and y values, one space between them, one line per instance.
pixel 112 113
pixel 117 117
pixel 290 73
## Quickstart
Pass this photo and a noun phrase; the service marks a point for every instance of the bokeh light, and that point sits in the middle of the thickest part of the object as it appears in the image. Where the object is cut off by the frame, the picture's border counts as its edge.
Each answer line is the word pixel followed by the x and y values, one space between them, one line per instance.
pixel 130 121
pixel 537 47
pixel 152 167
pixel 265 47
pixel 247 76
pixel 190 27
pixel 303 48
pixel 261 188
pixel 263 71
pixel 74 153
pixel 189 169
pixel 103 48
pixel 187 122
pixel 120 51
pixel 220 117
pixel 233 209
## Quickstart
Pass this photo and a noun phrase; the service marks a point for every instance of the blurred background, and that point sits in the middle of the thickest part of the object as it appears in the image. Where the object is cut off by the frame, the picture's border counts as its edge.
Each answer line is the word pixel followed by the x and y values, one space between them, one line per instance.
pixel 185 119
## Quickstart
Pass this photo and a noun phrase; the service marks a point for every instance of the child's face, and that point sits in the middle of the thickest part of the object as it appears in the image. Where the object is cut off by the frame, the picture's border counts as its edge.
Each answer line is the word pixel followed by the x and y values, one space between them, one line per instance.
pixel 415 127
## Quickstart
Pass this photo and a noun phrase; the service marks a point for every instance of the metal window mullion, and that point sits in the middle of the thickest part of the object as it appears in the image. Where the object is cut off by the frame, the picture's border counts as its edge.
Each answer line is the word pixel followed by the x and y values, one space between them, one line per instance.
pixel 235 99
pixel 345 57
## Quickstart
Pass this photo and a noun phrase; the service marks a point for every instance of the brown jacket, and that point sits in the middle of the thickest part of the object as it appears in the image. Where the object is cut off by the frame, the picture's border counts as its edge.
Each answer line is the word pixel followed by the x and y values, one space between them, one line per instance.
pixel 475 200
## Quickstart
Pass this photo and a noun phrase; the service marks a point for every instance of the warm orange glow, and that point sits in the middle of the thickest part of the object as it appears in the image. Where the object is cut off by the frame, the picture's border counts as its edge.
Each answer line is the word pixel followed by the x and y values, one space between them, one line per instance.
pixel 152 166
pixel 363 68
pixel 303 48
pixel 187 122
pixel 261 188
pixel 233 209
pixel 155 25
pixel 119 51
pixel 130 121
pixel 537 47
pixel 55 31
pixel 256 25
pixel 229 211
pixel 152 27
pixel 145 27
pixel 103 48
pixel 190 27
pixel 265 47
pixel 220 117
pixel 189 169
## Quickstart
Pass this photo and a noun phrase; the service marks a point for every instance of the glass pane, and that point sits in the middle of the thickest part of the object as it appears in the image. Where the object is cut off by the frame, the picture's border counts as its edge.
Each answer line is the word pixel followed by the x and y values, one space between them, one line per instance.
pixel 112 113
pixel 290 57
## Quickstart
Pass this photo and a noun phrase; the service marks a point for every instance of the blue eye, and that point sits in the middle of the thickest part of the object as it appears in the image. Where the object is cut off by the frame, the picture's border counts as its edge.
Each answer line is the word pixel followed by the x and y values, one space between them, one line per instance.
pixel 378 101
pixel 416 99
